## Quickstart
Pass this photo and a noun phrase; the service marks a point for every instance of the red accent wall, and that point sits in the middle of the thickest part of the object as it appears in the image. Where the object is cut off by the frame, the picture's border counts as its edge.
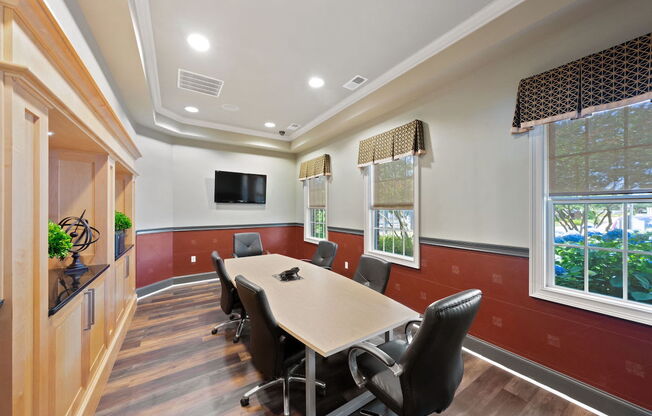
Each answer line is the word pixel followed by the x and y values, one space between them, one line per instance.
pixel 611 354
pixel 153 258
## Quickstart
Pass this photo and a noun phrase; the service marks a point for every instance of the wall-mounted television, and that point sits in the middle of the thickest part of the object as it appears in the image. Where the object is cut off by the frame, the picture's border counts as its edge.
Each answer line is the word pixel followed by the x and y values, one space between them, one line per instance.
pixel 236 187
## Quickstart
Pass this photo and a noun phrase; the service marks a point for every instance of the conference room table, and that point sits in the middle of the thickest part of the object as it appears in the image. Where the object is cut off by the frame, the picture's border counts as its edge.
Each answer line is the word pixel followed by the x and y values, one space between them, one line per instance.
pixel 324 310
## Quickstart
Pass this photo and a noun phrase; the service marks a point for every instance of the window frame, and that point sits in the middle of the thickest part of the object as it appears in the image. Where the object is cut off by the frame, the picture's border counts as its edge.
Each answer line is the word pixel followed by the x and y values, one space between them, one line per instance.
pixel 542 273
pixel 412 262
pixel 307 237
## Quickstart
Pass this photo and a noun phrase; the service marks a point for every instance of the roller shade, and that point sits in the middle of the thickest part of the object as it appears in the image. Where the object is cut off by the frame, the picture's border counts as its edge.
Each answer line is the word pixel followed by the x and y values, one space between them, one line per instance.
pixel 393 185
pixel 394 144
pixel 609 152
pixel 319 166
pixel 614 77
pixel 317 192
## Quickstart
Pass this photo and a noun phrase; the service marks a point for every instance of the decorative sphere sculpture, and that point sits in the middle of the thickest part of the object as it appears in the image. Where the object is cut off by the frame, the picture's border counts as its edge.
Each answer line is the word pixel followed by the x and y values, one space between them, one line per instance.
pixel 82 235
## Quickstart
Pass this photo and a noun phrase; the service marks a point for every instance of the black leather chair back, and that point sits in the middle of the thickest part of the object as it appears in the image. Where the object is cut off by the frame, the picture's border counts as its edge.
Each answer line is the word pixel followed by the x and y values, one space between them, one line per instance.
pixel 229 294
pixel 247 244
pixel 432 364
pixel 373 272
pixel 325 254
pixel 266 336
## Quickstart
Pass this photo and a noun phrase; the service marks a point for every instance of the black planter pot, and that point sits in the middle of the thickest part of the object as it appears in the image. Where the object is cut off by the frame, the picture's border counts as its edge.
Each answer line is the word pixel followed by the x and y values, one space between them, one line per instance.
pixel 119 242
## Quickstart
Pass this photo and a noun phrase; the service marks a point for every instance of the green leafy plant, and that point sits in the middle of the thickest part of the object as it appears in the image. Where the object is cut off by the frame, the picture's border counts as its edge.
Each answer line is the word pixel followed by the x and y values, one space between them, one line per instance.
pixel 122 222
pixel 59 243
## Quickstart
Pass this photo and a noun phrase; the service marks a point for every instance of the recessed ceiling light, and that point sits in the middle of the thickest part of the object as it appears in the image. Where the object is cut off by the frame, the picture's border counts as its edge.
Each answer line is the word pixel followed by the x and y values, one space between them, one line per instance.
pixel 191 109
pixel 270 125
pixel 230 107
pixel 316 82
pixel 198 42
pixel 50 133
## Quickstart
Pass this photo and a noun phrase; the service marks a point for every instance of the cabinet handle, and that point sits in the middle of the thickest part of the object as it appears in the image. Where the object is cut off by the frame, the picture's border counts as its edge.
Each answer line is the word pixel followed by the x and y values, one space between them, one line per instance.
pixel 92 306
pixel 127 266
pixel 88 296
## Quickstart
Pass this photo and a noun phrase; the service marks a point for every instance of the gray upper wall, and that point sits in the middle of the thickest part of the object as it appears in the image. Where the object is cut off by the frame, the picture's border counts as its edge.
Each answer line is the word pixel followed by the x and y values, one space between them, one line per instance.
pixel 474 178
pixel 475 175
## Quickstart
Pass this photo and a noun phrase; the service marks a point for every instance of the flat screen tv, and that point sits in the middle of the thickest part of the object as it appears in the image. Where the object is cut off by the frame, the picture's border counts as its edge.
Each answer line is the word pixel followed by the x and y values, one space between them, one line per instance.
pixel 235 187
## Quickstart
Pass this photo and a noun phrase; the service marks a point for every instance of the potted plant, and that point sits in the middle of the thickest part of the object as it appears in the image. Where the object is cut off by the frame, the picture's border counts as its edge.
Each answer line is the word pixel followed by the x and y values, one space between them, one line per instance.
pixel 59 243
pixel 122 223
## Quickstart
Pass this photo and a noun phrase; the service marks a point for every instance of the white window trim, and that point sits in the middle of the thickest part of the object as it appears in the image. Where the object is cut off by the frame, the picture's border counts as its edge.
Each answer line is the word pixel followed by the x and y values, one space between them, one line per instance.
pixel 413 262
pixel 541 270
pixel 306 214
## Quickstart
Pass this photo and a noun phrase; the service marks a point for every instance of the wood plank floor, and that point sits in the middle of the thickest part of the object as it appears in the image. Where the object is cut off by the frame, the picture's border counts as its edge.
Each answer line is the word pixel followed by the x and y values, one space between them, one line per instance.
pixel 170 364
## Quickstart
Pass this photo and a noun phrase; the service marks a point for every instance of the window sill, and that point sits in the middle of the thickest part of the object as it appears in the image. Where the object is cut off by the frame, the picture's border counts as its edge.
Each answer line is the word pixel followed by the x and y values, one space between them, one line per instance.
pixel 596 303
pixel 313 240
pixel 411 262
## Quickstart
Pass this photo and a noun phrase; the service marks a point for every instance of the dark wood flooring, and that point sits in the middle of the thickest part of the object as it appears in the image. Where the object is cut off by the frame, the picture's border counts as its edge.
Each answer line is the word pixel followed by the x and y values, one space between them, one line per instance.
pixel 170 364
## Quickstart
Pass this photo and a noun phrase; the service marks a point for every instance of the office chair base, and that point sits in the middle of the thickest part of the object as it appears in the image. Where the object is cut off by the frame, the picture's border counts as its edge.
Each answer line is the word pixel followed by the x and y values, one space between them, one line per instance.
pixel 233 319
pixel 244 401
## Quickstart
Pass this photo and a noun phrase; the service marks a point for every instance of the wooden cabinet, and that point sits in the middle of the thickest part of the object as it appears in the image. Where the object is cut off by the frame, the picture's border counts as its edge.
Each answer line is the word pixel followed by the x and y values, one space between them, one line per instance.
pixel 95 339
pixel 67 328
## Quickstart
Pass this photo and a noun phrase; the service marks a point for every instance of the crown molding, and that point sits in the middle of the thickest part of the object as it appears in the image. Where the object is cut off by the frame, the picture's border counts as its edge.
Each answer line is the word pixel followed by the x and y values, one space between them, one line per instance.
pixel 485 15
pixel 43 28
pixel 143 29
pixel 141 18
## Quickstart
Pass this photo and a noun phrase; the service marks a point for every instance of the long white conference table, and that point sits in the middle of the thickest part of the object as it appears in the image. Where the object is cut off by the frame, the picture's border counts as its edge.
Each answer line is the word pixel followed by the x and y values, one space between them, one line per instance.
pixel 326 311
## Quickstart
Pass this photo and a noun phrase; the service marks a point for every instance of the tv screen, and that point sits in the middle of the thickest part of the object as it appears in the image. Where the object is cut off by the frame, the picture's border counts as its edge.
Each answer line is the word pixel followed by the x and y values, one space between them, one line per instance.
pixel 234 187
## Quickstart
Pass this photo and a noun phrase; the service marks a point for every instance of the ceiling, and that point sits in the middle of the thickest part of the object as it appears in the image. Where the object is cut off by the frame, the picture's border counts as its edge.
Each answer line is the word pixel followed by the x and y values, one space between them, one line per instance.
pixel 265 52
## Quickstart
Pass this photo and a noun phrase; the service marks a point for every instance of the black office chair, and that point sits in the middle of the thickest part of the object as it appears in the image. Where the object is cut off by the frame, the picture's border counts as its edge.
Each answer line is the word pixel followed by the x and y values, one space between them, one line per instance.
pixel 247 244
pixel 419 377
pixel 373 272
pixel 324 255
pixel 229 300
pixel 275 353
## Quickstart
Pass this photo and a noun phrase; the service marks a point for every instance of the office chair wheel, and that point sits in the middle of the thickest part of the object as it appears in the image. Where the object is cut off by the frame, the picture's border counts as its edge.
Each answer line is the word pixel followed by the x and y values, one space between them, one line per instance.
pixel 214 331
pixel 236 339
pixel 321 392
pixel 244 402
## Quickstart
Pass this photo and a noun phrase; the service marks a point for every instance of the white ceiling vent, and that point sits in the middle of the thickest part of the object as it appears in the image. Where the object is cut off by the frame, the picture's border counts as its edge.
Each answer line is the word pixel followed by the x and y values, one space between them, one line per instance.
pixel 200 83
pixel 293 126
pixel 355 82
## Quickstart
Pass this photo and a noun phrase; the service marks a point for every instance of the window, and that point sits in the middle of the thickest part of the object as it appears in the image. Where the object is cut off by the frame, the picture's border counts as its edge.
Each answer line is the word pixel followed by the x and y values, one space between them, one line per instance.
pixel 391 228
pixel 592 193
pixel 315 217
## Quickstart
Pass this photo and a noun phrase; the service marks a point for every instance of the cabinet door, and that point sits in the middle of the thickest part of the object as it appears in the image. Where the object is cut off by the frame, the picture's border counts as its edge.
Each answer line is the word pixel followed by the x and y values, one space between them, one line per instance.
pixel 97 333
pixel 130 277
pixel 67 329
pixel 119 287
pixel 110 313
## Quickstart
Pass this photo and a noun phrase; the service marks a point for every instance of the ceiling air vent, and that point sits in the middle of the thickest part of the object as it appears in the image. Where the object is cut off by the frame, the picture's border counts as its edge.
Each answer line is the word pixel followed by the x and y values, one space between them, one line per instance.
pixel 293 126
pixel 355 82
pixel 200 83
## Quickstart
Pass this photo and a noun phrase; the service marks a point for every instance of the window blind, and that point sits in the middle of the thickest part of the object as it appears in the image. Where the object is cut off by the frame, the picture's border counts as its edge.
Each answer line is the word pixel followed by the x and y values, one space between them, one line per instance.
pixel 607 153
pixel 317 192
pixel 393 184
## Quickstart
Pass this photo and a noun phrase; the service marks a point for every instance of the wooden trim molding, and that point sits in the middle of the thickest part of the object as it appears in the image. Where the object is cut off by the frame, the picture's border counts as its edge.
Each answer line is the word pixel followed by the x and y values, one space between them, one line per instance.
pixel 36 87
pixel 44 29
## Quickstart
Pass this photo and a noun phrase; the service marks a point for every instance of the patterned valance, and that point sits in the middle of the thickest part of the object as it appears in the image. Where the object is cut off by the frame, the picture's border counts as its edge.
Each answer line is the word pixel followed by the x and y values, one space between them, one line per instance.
pixel 612 78
pixel 312 168
pixel 394 144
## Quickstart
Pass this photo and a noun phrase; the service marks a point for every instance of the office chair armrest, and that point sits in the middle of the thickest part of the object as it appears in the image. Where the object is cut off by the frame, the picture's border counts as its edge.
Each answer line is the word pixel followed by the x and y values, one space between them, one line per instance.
pixel 377 353
pixel 409 334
